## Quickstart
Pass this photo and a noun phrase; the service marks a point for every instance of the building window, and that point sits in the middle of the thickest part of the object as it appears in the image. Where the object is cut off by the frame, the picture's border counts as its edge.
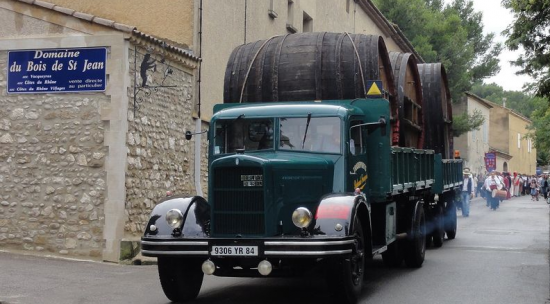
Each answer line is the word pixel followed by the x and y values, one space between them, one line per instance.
pixel 474 135
pixel 290 21
pixel 529 145
pixel 485 132
pixel 308 23
pixel 519 140
pixel 347 6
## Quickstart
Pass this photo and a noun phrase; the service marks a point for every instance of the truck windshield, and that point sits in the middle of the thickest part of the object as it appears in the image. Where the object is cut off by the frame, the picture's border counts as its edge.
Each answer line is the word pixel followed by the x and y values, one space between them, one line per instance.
pixel 323 134
pixel 240 133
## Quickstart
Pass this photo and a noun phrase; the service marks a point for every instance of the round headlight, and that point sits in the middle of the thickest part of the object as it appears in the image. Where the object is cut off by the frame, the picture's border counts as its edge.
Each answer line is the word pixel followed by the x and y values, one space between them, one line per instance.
pixel 174 218
pixel 301 217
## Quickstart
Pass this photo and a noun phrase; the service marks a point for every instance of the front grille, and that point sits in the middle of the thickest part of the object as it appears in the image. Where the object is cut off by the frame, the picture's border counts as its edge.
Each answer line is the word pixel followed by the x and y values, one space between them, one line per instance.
pixel 238 209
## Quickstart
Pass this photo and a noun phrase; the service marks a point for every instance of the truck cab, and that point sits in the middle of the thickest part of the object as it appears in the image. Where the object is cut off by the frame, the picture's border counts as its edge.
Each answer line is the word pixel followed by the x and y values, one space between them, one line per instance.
pixel 285 156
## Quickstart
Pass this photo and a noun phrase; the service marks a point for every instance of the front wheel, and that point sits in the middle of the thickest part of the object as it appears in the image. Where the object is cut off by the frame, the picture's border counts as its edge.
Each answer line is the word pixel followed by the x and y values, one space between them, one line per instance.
pixel 415 250
pixel 346 274
pixel 181 279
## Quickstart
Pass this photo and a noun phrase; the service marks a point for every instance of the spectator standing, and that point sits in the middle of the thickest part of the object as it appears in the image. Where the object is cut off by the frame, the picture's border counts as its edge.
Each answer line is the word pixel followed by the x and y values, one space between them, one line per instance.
pixel 479 186
pixel 474 185
pixel 526 188
pixel 534 186
pixel 516 181
pixel 467 192
pixel 544 186
pixel 501 178
pixel 492 183
pixel 507 183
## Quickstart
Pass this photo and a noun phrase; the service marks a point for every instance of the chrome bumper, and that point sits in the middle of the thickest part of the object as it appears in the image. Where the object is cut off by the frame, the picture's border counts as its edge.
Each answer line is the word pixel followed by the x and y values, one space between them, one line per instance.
pixel 272 247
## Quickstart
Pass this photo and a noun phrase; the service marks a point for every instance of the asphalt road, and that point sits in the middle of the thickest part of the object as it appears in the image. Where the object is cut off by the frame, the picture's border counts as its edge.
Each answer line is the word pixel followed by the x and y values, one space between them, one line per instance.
pixel 498 257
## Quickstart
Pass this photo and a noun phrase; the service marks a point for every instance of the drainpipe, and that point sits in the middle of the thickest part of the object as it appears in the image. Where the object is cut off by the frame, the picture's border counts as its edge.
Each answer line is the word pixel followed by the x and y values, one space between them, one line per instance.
pixel 198 124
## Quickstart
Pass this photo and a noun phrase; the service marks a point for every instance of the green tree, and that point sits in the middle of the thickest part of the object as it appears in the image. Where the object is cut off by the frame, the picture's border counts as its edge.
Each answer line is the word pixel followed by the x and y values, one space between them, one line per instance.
pixel 521 102
pixel 531 31
pixel 464 122
pixel 451 34
pixel 540 130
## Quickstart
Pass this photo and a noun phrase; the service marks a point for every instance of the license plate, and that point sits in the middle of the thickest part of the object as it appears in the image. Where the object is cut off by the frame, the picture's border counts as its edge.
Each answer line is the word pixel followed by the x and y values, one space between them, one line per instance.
pixel 234 250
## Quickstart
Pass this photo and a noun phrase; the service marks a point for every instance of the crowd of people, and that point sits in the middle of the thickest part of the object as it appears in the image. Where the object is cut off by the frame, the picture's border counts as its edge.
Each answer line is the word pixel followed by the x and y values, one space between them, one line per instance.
pixel 496 187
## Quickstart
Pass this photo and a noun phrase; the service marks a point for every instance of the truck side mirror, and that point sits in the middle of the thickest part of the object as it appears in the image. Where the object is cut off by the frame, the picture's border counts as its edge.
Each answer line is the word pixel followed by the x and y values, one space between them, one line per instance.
pixel 189 135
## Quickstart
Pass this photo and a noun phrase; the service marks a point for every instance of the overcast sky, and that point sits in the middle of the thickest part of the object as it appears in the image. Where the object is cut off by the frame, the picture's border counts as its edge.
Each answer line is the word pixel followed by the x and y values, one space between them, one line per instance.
pixel 496 19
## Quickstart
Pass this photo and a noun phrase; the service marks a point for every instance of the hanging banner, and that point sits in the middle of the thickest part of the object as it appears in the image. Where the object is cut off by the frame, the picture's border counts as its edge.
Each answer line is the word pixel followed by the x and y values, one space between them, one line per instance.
pixel 490 162
pixel 57 70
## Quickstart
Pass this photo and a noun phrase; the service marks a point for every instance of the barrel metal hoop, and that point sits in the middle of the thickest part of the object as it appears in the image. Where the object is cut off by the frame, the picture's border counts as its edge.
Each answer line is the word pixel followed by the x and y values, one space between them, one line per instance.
pixel 250 67
pixel 360 65
pixel 319 67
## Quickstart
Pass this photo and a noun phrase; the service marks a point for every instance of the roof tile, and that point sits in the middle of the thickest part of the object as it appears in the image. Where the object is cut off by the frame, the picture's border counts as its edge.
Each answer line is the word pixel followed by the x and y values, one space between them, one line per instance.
pixel 124 27
pixel 64 10
pixel 44 4
pixel 103 21
pixel 83 16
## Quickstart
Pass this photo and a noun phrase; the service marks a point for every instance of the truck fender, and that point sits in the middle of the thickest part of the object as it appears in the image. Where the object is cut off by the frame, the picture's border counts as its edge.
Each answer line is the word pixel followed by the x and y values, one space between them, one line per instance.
pixel 340 209
pixel 196 216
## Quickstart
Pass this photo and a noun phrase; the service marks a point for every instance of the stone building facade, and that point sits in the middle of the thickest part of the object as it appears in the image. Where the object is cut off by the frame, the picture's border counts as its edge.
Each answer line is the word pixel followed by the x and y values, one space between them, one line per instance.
pixel 508 138
pixel 80 171
pixel 159 157
pixel 504 133
pixel 473 145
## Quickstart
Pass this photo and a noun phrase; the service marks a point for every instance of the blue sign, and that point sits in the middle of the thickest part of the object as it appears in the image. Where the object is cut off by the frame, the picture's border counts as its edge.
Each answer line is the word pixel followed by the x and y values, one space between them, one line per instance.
pixel 57 70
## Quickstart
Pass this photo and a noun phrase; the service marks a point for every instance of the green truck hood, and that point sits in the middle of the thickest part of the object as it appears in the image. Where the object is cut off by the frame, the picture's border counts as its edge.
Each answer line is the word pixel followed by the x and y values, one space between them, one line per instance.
pixel 288 180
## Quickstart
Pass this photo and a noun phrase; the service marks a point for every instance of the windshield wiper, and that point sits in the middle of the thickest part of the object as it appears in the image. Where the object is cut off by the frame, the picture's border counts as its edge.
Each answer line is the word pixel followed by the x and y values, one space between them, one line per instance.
pixel 225 125
pixel 307 126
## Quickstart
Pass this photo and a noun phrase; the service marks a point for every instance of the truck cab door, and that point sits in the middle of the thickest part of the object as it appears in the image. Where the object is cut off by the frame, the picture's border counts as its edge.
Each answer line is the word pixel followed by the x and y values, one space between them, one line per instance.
pixel 356 150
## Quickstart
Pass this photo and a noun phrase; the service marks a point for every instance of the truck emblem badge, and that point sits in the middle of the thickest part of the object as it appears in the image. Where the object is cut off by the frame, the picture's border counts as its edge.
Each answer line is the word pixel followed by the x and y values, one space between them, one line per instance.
pixel 360 169
pixel 252 180
pixel 236 161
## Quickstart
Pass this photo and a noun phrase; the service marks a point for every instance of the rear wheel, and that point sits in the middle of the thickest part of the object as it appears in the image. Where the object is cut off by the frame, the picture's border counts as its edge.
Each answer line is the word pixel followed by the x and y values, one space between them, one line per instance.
pixel 346 274
pixel 415 249
pixel 181 279
pixel 450 220
pixel 393 257
pixel 438 234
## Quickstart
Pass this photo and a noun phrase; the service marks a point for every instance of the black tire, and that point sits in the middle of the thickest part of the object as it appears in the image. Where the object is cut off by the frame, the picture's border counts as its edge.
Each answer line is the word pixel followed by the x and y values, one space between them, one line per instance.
pixel 450 220
pixel 345 275
pixel 181 279
pixel 393 257
pixel 415 249
pixel 438 234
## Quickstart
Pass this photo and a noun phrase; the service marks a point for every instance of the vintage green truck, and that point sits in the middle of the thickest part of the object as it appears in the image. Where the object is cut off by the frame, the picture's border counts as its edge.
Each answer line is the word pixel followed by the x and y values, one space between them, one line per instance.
pixel 295 185
pixel 279 200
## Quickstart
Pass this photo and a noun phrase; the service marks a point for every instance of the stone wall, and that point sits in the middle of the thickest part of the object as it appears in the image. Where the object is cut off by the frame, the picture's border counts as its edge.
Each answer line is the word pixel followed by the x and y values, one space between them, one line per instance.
pixel 52 172
pixel 160 159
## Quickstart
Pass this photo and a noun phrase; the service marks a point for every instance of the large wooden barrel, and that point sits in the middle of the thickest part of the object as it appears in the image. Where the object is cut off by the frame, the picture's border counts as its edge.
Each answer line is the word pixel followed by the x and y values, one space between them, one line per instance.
pixel 409 99
pixel 437 109
pixel 309 66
